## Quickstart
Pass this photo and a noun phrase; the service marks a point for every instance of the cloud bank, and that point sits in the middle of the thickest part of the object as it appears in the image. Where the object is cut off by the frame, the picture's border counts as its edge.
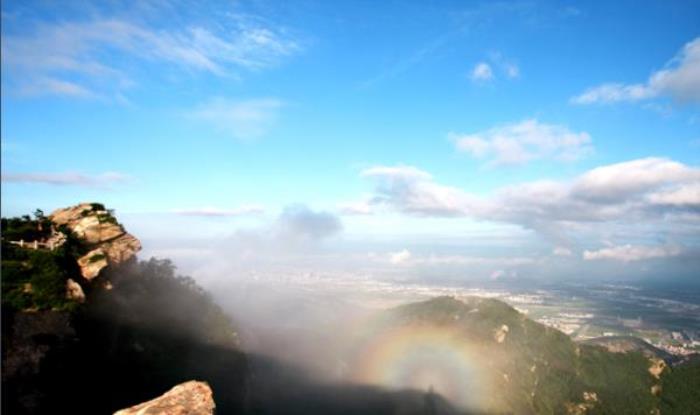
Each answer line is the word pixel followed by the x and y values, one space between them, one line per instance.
pixel 628 253
pixel 658 195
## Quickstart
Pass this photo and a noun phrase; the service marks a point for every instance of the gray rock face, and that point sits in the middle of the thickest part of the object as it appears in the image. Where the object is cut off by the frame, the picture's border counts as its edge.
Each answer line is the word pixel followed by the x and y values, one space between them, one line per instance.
pixel 189 398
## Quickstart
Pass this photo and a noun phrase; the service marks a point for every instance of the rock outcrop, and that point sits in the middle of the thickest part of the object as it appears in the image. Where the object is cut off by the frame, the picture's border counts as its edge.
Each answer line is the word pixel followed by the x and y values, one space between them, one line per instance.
pixel 189 398
pixel 501 333
pixel 74 291
pixel 109 243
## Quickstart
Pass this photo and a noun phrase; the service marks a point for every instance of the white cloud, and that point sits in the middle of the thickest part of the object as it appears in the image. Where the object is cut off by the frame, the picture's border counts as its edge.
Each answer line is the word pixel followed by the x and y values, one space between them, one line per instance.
pixel 681 196
pixel 244 120
pixel 67 179
pixel 69 58
pixel 486 71
pixel 626 179
pixel 412 191
pixel 525 141
pixel 482 72
pixel 680 80
pixel 628 253
pixel 217 212
pixel 561 251
pixel 400 257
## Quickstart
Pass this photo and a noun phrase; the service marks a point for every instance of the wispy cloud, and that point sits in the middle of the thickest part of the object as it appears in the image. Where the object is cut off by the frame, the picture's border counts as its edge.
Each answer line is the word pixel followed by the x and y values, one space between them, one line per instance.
pixel 680 80
pixel 405 64
pixel 89 57
pixel 244 120
pixel 50 86
pixel 525 141
pixel 66 179
pixel 244 210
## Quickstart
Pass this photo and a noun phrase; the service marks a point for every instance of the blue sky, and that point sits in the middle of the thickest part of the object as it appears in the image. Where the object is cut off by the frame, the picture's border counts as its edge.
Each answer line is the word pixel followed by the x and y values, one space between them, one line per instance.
pixel 456 139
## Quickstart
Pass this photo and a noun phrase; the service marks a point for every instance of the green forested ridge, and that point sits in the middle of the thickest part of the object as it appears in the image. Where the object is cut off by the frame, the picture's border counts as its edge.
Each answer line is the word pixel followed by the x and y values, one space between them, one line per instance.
pixel 547 372
pixel 681 388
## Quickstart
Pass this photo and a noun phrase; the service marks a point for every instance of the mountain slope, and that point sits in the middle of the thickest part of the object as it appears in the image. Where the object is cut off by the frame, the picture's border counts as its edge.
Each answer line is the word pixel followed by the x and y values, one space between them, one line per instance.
pixel 521 366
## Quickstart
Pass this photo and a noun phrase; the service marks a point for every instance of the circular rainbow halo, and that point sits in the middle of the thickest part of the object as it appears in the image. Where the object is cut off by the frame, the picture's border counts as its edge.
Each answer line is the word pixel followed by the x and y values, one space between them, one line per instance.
pixel 423 358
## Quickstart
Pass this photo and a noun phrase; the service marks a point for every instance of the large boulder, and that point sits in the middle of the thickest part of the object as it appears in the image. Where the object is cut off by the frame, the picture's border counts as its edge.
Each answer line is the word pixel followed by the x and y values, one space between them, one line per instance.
pixel 189 398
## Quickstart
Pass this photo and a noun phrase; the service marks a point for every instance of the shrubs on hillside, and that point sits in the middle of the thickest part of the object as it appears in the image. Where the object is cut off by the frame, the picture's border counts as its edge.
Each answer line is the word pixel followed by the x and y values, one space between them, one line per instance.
pixel 149 294
pixel 25 228
pixel 36 279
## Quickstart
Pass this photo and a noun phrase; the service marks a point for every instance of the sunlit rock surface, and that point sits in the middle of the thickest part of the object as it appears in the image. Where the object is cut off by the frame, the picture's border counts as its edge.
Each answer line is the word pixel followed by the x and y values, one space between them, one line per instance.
pixel 92 263
pixel 98 228
pixel 189 398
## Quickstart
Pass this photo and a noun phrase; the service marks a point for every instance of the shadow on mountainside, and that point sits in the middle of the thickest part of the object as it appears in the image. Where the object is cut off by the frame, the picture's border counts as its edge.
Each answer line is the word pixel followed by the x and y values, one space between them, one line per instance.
pixel 102 367
pixel 151 331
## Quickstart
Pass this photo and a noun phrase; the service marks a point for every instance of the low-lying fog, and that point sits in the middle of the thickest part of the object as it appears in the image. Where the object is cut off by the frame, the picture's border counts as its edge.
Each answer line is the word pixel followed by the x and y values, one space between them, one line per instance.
pixel 317 325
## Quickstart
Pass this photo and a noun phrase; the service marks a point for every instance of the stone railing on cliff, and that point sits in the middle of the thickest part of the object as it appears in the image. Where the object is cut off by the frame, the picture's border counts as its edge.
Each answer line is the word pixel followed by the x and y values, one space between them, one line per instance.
pixel 56 240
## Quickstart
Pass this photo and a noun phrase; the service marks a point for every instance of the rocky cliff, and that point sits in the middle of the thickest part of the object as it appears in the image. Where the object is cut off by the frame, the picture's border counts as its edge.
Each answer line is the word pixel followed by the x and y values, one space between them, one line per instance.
pixel 89 329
